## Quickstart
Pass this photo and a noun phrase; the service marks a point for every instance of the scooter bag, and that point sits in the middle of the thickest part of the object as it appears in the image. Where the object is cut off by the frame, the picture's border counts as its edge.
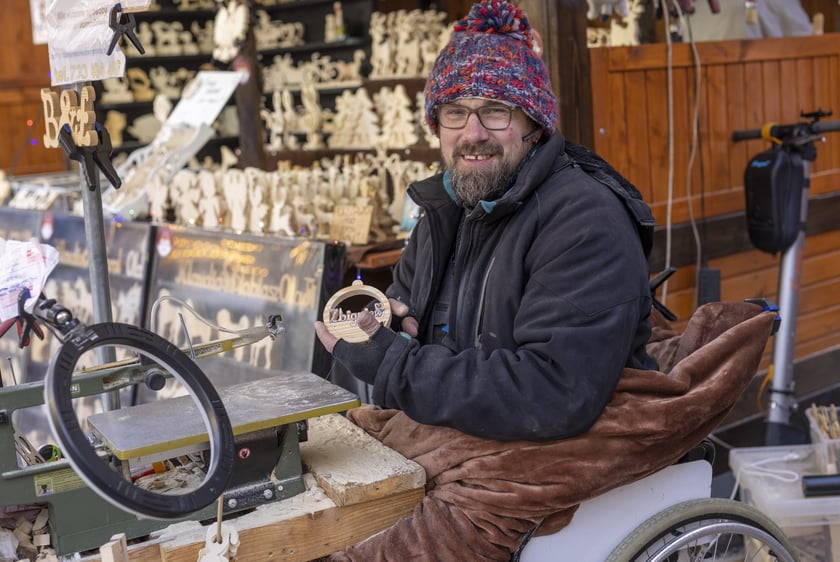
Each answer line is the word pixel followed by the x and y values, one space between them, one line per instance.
pixel 773 183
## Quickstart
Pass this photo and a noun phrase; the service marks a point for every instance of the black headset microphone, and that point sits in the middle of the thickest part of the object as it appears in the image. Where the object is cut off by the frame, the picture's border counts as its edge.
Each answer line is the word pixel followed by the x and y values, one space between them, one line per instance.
pixel 531 134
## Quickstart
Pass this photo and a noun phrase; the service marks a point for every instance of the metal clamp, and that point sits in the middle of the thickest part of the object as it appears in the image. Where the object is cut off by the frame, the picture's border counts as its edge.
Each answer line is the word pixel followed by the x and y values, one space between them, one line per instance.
pixel 91 157
pixel 123 24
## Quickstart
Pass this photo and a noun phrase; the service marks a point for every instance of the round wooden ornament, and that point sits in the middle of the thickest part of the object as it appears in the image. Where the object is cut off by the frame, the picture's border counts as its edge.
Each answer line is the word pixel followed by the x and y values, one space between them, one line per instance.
pixel 342 323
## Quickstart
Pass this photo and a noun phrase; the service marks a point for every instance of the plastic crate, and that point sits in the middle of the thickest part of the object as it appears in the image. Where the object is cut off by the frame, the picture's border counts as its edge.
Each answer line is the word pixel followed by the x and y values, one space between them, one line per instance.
pixel 828 450
pixel 771 480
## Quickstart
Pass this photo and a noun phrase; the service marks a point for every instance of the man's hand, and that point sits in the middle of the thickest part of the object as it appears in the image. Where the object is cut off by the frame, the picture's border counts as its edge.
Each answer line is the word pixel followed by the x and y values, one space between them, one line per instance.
pixel 362 359
pixel 409 324
pixel 327 339
pixel 364 320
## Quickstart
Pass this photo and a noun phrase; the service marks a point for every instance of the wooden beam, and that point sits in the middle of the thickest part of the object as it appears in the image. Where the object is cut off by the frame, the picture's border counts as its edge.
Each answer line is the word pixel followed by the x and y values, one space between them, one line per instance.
pixel 727 235
pixel 562 28
pixel 248 102
pixel 307 536
pixel 116 550
pixel 647 57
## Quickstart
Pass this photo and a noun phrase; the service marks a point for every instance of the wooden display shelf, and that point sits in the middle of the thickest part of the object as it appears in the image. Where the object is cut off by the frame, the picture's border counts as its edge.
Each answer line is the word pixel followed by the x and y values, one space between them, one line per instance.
pixel 299 157
pixel 378 260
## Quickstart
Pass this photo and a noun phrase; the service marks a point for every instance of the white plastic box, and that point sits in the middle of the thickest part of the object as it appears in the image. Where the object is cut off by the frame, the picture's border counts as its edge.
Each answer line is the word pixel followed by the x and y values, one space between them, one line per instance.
pixel 771 480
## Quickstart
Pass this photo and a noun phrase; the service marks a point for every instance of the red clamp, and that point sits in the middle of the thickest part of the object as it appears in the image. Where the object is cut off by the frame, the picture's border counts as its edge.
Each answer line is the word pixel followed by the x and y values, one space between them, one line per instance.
pixel 26 322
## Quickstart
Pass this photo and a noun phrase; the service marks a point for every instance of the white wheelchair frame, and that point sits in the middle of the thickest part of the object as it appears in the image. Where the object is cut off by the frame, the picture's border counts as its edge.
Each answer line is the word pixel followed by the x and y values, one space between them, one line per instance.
pixel 620 511
pixel 667 516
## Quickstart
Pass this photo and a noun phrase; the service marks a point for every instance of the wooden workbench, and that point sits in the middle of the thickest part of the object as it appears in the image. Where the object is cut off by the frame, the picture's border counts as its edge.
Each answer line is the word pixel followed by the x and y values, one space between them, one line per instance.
pixel 355 488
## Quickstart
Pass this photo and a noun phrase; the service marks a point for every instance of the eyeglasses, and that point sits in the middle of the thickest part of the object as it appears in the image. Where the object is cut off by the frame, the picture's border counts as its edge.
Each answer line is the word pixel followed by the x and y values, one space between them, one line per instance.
pixel 493 117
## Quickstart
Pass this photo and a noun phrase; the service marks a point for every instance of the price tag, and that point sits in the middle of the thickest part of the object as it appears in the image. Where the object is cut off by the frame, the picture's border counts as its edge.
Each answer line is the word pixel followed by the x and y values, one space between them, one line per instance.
pixel 204 97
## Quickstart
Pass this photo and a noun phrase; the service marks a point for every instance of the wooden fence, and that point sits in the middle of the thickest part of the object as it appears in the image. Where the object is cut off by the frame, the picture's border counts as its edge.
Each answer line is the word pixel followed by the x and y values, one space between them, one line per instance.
pixel 742 85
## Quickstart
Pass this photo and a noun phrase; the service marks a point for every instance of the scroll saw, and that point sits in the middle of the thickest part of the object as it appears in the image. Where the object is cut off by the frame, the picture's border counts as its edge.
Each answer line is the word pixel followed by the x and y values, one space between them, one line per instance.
pixel 89 493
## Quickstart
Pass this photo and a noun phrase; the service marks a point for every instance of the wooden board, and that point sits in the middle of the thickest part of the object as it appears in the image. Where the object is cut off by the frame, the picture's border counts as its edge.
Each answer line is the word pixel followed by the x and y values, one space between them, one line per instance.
pixel 377 486
pixel 353 468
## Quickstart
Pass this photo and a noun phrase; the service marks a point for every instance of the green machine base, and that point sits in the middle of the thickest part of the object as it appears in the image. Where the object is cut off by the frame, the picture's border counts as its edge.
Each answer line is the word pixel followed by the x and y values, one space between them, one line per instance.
pixel 268 418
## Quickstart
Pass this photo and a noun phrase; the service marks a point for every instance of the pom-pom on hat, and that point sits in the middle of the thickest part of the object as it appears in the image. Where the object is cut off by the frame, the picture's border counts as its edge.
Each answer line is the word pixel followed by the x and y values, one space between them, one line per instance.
pixel 491 55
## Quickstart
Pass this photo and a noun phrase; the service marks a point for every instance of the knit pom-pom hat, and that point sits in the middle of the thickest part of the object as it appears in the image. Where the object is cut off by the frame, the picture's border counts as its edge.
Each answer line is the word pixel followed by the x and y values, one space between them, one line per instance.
pixel 491 55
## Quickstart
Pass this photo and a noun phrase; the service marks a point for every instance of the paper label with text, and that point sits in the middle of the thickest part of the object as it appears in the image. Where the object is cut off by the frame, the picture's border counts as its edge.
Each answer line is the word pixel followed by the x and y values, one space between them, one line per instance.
pixel 78 38
pixel 23 265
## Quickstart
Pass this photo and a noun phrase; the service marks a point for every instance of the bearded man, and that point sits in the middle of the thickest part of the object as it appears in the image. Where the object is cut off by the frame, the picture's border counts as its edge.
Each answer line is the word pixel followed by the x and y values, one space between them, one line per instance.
pixel 516 370
pixel 523 291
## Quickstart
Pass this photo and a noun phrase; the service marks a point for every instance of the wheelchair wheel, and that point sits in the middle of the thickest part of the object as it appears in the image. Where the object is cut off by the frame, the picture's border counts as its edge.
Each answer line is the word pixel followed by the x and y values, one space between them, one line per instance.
pixel 706 529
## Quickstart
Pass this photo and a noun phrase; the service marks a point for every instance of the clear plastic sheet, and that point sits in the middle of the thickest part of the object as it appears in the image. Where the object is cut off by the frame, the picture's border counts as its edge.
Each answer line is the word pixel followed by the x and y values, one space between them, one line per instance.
pixel 78 37
pixel 24 265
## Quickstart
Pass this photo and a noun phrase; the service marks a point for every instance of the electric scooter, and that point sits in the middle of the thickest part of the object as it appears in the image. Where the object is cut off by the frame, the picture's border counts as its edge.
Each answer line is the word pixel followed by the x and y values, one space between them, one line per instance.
pixel 776 183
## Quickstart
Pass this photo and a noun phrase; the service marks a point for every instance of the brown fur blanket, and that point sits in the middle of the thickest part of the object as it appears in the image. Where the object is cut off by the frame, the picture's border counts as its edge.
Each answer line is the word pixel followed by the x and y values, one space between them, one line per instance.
pixel 483 496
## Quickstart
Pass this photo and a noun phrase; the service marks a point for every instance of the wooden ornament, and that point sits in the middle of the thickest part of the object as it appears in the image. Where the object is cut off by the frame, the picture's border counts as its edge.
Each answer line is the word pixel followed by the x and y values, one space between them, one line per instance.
pixel 342 323
pixel 229 30
pixel 115 122
pixel 141 85
pixel 78 115
pixel 52 122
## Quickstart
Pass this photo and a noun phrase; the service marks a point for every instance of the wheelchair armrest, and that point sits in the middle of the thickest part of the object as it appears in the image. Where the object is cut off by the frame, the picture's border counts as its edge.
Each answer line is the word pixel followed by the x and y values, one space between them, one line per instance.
pixel 705 450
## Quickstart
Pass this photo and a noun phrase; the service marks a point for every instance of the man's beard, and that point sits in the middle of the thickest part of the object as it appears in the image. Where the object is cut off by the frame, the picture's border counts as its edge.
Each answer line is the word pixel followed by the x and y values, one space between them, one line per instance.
pixel 472 185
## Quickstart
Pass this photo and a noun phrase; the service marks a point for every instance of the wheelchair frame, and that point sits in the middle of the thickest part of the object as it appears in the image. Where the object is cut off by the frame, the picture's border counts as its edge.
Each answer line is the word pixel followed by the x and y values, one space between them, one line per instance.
pixel 667 516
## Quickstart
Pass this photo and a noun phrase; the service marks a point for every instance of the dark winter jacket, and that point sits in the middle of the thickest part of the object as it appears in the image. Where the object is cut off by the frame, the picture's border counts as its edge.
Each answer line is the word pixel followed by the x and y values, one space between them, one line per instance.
pixel 550 303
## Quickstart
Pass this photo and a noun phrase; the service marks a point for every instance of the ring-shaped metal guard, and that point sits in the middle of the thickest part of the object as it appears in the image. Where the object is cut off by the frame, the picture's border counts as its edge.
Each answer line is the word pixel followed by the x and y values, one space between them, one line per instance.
pixel 109 484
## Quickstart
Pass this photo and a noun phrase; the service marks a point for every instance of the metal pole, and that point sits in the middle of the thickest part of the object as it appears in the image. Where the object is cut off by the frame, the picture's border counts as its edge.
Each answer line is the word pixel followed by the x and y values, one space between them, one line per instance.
pixel 100 287
pixel 782 400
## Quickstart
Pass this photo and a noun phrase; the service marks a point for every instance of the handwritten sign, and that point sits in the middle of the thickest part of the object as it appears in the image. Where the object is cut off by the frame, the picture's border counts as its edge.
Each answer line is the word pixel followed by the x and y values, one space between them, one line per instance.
pixel 351 223
pixel 204 97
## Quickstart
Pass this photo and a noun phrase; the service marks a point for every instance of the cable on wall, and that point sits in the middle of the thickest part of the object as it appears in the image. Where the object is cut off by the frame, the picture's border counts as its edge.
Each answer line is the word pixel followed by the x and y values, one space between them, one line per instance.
pixel 695 139
pixel 670 201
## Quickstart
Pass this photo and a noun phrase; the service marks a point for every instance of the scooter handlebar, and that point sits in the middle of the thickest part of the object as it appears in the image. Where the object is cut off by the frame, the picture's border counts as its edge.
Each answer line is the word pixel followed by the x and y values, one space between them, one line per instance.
pixel 780 131
pixel 746 134
pixel 826 126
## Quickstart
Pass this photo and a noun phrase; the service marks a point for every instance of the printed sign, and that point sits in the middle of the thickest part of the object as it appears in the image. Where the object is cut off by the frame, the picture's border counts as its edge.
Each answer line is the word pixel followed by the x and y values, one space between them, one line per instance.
pixel 24 266
pixel 15 224
pixel 234 283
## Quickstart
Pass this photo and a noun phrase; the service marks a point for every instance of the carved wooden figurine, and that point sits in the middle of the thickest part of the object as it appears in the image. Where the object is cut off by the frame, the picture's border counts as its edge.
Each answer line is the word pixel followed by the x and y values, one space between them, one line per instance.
pixel 209 206
pixel 230 29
